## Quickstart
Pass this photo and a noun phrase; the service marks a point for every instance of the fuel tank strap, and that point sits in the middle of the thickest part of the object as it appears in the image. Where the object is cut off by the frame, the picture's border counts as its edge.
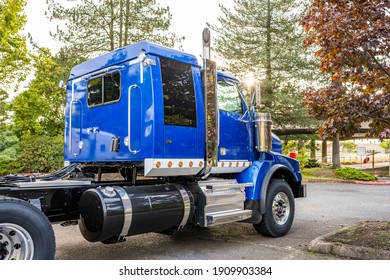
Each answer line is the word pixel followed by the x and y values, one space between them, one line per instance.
pixel 186 204
pixel 127 211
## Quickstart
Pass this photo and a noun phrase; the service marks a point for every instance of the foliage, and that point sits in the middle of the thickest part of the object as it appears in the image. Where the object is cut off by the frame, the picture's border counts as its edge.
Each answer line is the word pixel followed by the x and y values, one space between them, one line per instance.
pixel 39 109
pixel 97 26
pixel 8 155
pixel 349 146
pixel 353 44
pixel 302 157
pixel 385 145
pixel 13 50
pixel 3 109
pixel 349 173
pixel 289 146
pixel 9 167
pixel 263 38
pixel 7 140
pixel 40 153
pixel 312 163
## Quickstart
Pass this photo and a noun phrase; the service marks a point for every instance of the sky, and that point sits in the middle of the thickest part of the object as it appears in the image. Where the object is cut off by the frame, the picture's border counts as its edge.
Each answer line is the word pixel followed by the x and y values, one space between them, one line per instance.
pixel 189 18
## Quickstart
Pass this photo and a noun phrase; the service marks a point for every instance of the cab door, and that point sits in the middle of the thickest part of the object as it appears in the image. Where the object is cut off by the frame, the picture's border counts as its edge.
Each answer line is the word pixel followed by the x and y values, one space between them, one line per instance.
pixel 235 137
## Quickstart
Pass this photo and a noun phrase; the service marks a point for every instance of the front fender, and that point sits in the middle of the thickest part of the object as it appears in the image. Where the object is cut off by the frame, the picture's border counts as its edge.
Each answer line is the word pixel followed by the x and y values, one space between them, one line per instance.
pixel 277 171
pixel 260 174
pixel 255 175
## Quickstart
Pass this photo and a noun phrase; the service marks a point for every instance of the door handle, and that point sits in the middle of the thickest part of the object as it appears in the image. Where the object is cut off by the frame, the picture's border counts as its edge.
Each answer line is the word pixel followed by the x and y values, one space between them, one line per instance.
pixel 129 120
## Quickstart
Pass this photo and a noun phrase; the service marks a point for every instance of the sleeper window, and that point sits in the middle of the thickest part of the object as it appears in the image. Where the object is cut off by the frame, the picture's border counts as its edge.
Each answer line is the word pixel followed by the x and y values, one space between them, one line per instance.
pixel 178 93
pixel 104 89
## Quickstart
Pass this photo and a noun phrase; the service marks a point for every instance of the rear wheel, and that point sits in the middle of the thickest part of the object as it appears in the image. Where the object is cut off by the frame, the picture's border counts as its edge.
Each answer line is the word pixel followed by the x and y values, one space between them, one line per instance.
pixel 25 232
pixel 280 209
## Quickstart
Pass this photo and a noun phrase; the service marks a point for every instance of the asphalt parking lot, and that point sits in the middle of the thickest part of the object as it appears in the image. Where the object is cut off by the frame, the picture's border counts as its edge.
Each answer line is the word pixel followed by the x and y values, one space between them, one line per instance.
pixel 328 207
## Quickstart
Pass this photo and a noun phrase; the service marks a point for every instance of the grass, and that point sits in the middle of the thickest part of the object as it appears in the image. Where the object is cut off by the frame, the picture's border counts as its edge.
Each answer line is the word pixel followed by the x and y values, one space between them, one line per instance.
pixel 328 173
pixel 372 234
pixel 320 173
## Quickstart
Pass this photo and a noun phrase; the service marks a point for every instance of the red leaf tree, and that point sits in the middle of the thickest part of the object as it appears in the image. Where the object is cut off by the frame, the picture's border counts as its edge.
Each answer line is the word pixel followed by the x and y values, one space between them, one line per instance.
pixel 351 38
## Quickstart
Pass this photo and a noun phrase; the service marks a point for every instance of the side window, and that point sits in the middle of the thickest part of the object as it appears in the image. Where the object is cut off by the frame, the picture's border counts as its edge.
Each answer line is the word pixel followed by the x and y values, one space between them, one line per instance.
pixel 178 93
pixel 229 98
pixel 104 89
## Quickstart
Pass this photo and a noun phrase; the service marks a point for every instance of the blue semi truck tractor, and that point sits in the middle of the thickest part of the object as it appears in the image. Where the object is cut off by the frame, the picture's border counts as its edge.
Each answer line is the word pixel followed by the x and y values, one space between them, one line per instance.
pixel 189 148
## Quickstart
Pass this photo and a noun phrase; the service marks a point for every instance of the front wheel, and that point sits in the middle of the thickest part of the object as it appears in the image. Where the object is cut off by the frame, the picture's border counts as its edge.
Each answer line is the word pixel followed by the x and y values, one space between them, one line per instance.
pixel 280 209
pixel 25 232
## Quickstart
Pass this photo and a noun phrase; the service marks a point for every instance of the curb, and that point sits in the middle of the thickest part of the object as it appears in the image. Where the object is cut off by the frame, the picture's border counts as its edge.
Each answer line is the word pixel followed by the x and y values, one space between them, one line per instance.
pixel 372 182
pixel 378 183
pixel 318 245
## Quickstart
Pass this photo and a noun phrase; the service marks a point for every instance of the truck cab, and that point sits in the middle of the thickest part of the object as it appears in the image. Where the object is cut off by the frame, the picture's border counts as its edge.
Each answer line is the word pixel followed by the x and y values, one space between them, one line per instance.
pixel 144 104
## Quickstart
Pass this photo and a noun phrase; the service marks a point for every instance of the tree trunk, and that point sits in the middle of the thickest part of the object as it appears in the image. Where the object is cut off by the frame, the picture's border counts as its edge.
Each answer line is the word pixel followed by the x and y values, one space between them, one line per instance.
pixel 112 37
pixel 268 46
pixel 127 22
pixel 324 154
pixel 336 152
pixel 300 145
pixel 121 23
pixel 312 148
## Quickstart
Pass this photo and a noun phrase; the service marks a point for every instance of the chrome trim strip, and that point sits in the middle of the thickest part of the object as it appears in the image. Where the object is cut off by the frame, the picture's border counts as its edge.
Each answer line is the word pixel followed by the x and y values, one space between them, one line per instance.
pixel 52 184
pixel 186 204
pixel 152 169
pixel 127 211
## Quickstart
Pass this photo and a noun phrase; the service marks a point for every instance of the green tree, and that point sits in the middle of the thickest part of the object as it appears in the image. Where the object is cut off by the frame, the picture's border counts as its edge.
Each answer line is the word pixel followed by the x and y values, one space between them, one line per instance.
pixel 8 140
pixel 13 50
pixel 385 145
pixel 97 26
pixel 349 146
pixel 39 109
pixel 263 37
pixel 8 143
pixel 3 109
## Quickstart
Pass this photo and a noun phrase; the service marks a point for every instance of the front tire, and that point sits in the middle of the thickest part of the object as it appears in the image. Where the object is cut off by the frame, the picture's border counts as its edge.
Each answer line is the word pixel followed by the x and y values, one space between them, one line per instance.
pixel 280 210
pixel 25 232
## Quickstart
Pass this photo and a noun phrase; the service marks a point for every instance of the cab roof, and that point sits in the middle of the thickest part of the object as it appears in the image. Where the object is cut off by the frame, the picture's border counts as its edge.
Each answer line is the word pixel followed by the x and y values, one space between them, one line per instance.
pixel 128 53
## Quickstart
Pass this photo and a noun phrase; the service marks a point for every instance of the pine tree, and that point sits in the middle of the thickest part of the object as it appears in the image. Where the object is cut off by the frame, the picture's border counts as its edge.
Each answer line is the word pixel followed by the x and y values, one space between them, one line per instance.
pixel 96 26
pixel 263 37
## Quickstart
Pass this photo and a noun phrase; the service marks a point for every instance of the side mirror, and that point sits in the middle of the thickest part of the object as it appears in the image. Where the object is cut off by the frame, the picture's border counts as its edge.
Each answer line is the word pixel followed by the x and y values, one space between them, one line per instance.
pixel 253 86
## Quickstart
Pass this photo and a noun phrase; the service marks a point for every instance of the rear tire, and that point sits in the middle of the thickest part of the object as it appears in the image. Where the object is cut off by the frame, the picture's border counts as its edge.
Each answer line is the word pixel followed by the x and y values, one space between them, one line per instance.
pixel 25 232
pixel 280 209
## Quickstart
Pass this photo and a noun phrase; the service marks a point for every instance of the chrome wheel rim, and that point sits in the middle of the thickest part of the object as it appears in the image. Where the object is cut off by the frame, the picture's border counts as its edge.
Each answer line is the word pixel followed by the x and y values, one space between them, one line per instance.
pixel 15 243
pixel 281 208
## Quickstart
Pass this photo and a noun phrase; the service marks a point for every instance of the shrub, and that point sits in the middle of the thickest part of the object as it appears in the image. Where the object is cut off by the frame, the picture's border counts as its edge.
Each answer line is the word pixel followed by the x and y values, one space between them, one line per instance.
pixel 9 167
pixel 40 153
pixel 312 163
pixel 349 173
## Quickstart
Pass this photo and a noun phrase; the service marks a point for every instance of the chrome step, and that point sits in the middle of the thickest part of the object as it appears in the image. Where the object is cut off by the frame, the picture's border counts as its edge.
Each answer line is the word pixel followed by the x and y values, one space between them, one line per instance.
pixel 227 216
pixel 221 201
